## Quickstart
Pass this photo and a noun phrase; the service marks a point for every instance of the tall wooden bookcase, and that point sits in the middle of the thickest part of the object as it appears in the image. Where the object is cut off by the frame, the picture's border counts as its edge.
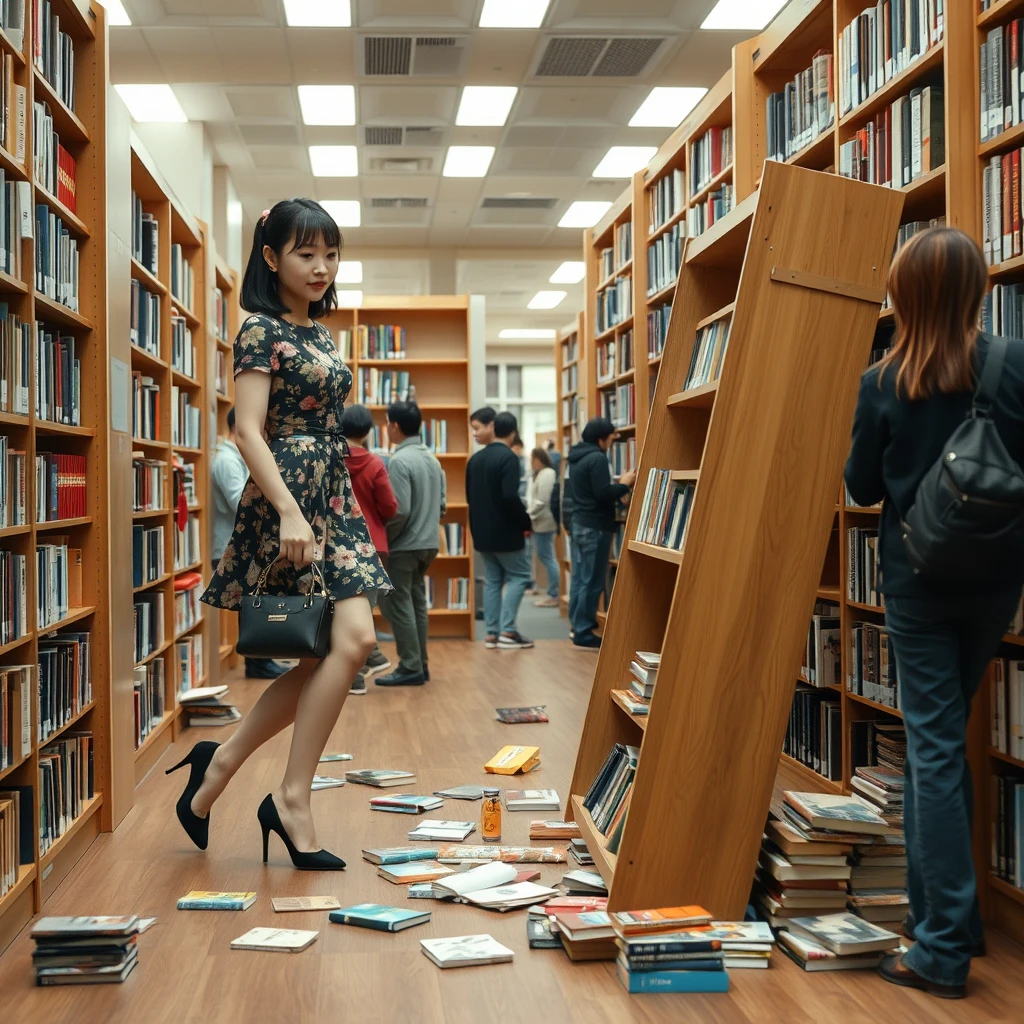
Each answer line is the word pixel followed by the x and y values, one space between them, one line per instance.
pixel 571 416
pixel 758 529
pixel 437 358
pixel 82 132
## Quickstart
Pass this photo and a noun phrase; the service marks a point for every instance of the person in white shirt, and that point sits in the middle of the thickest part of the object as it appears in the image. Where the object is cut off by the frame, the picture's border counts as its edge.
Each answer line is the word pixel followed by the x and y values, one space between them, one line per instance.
pixel 230 475
pixel 545 529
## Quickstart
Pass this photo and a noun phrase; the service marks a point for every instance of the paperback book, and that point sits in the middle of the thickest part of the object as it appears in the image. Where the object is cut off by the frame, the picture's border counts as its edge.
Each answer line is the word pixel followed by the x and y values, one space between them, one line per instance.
pixel 461 793
pixel 287 904
pixel 200 900
pixel 405 803
pixel 403 874
pixel 399 854
pixel 434 831
pixel 518 716
pixel 327 758
pixel 379 777
pixel 275 940
pixel 466 951
pixel 513 760
pixel 461 853
pixel 325 782
pixel 832 811
pixel 379 917
pixel 532 800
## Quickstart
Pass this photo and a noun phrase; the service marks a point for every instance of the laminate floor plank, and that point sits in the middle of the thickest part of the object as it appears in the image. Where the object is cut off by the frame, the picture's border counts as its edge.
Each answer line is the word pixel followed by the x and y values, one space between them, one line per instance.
pixel 187 974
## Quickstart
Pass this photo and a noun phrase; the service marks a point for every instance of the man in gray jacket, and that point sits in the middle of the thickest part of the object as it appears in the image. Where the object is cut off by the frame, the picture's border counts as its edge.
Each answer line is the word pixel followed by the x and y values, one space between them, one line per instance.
pixel 419 485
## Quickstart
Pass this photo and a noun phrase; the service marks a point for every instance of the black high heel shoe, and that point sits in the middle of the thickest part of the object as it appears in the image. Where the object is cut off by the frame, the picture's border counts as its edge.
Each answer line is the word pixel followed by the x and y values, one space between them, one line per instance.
pixel 199 758
pixel 270 821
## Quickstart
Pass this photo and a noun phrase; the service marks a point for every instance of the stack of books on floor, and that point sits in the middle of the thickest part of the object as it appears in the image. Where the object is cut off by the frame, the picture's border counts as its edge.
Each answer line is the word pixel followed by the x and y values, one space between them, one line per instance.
pixel 84 950
pixel 585 931
pixel 668 950
pixel 580 853
pixel 836 942
pixel 205 707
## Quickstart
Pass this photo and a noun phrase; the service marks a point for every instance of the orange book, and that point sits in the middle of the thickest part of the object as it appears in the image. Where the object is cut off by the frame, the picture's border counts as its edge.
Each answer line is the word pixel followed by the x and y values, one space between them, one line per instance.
pixel 667 919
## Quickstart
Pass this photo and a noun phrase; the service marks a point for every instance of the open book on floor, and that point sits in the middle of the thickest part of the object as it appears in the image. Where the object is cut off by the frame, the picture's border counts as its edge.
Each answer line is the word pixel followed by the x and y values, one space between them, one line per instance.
pixel 493 886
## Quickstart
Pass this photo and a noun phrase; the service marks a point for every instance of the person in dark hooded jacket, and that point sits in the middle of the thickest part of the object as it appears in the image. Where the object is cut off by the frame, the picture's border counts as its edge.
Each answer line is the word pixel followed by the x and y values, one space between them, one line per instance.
pixel 595 499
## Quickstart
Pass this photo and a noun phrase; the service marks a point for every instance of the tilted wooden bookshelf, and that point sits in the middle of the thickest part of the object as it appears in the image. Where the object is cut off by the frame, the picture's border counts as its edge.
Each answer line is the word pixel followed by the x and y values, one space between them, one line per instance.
pixel 82 133
pixel 436 346
pixel 759 525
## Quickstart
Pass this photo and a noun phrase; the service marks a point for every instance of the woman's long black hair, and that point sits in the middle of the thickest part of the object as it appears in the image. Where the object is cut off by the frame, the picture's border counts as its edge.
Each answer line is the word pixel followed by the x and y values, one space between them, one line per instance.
pixel 299 222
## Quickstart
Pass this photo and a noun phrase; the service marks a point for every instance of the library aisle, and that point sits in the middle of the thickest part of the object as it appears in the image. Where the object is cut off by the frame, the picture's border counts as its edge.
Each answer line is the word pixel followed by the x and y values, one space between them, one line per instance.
pixel 444 732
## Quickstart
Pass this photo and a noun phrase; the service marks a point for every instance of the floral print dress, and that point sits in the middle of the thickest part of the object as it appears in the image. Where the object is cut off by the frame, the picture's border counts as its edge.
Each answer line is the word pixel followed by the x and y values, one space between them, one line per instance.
pixel 309 382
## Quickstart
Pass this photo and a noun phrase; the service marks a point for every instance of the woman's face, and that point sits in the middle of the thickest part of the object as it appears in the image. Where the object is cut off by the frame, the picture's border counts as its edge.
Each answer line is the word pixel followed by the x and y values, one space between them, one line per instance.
pixel 303 274
pixel 536 464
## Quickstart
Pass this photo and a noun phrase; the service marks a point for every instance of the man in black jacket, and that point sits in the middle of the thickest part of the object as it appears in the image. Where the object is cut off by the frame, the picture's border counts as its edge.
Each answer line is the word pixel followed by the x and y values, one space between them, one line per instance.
pixel 499 523
pixel 595 501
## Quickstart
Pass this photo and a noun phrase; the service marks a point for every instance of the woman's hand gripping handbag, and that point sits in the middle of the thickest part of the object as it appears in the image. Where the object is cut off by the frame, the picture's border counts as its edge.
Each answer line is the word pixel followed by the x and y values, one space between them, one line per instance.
pixel 290 627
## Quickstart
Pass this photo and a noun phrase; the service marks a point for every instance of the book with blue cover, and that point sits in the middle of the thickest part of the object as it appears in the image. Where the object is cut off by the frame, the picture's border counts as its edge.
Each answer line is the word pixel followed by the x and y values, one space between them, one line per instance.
pixel 380 917
pixel 199 900
pixel 672 981
pixel 400 854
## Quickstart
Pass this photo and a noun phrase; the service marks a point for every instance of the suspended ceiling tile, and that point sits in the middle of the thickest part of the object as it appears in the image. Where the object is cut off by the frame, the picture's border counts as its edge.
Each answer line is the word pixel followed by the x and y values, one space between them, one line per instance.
pixel 407 104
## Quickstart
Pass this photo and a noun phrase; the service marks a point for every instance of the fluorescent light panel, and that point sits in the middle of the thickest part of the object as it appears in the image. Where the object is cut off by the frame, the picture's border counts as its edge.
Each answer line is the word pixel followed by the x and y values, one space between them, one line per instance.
pixel 666 107
pixel 318 13
pixel 570 272
pixel 624 161
pixel 152 103
pixel 328 104
pixel 350 272
pixel 513 13
pixel 485 105
pixel 116 14
pixel 584 214
pixel 743 14
pixel 546 300
pixel 467 161
pixel 526 333
pixel 334 161
pixel 347 298
pixel 347 213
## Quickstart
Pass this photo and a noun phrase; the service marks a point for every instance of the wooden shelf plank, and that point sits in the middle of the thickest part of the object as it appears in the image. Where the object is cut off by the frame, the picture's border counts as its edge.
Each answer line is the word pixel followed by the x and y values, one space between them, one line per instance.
pixel 15 419
pixel 667 226
pixel 867 702
pixel 813 780
pixel 50 427
pixel 13 645
pixel 147 278
pixel 1005 888
pixel 154 654
pixel 719 314
pixel 684 474
pixel 153 445
pixel 150 513
pixel 188 629
pixel 14 766
pixel 640 720
pixel 701 194
pixel 156 732
pixel 74 615
pixel 655 551
pixel 66 123
pixel 70 220
pixel 662 294
pixel 152 583
pixel 724 243
pixel 896 86
pixel 47 308
pixel 63 524
pixel 26 876
pixel 999 12
pixel 702 397
pixel 75 719
pixel 1005 758
pixel 9 283
pixel 14 531
pixel 146 360
pixel 603 860
pixel 873 608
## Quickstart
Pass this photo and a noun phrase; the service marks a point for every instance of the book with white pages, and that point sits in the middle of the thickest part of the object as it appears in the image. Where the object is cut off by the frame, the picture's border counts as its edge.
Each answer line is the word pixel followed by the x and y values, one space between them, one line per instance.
pixel 275 940
pixel 786 871
pixel 508 897
pixel 435 830
pixel 485 876
pixel 466 951
pixel 325 782
pixel 201 693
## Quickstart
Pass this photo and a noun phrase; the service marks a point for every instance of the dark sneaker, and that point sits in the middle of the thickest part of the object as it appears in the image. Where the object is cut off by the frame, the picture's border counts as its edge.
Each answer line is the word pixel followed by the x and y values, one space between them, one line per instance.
pixel 591 640
pixel 513 642
pixel 426 675
pixel 892 970
pixel 401 679
pixel 359 685
pixel 376 663
pixel 491 642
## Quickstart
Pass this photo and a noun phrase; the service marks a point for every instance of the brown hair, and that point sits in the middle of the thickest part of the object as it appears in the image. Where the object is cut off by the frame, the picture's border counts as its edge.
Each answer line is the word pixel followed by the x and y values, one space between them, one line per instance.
pixel 542 457
pixel 937 282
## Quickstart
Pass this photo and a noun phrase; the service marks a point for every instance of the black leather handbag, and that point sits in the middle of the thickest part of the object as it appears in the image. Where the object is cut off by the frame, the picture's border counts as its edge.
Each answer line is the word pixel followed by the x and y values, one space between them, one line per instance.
pixel 290 627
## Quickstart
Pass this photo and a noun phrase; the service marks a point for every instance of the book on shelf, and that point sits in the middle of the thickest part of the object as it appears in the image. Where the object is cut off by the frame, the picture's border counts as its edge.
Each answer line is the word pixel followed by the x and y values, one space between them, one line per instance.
pixel 183 352
pixel 634 704
pixel 405 803
pixel 873 665
pixel 13 596
pixel 623 243
pixel 60 487
pixel 57 270
pixel 882 42
pixel 657 329
pixel 666 199
pixel 521 715
pixel 58 580
pixel 188 656
pixel 466 951
pixel 614 304
pixel 149 690
pixel 275 940
pixel 862 566
pixel 1007 840
pixel 149 476
pixel 183 280
pixel 1006 701
pixel 187 543
pixel 1002 309
pixel 144 331
pixel 814 736
pixel 462 853
pixel 16 692
pixel 1000 78
pixel 66 782
pixel 802 110
pixel 186 419
pixel 84 950
pixel 708 353
pixel 1001 209
pixel 145 407
pixel 513 760
pixel 458 593
pixel 381 387
pixel 532 800
pixel 710 155
pixel 379 777
pixel 199 899
pixel 13 485
pixel 622 456
pixel 704 215
pixel 58 378
pixel 53 50
pixel 291 904
pixel 380 341
pixel 822 663
pixel 379 917
pixel 145 237
pixel 220 315
pixel 432 830
pixel 665 510
pixel 147 554
pixel 664 258
pixel 15 360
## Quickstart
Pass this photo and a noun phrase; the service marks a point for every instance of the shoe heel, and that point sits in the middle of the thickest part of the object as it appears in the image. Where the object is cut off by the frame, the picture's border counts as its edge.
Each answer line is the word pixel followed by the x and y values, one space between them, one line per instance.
pixel 266 843
pixel 181 764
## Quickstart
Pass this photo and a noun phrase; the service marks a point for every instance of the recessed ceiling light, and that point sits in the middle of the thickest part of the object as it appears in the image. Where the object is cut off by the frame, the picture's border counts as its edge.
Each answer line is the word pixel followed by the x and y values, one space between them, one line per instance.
pixel 350 272
pixel 570 272
pixel 333 161
pixel 467 161
pixel 318 13
pixel 328 104
pixel 546 300
pixel 486 105
pixel 349 298
pixel 513 13
pixel 347 213
pixel 624 161
pixel 743 14
pixel 151 103
pixel 666 107
pixel 525 333
pixel 116 14
pixel 584 214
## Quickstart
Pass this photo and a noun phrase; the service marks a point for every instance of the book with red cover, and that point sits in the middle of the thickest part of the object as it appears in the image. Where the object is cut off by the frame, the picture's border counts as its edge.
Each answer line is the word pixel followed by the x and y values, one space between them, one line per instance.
pixel 517 716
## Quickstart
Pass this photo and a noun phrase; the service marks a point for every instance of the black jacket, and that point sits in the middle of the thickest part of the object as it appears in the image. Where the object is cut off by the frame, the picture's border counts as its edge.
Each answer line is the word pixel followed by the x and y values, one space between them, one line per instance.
pixel 594 496
pixel 896 441
pixel 497 516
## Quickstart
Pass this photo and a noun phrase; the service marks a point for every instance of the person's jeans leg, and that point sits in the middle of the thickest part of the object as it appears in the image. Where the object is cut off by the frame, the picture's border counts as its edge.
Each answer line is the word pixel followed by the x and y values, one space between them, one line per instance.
pixel 593 546
pixel 398 606
pixel 546 554
pixel 517 573
pixel 419 600
pixel 575 585
pixel 494 577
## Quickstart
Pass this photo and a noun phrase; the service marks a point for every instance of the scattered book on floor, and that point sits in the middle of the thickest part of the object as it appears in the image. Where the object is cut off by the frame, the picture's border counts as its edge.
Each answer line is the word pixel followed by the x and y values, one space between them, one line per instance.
pixel 580 853
pixel 201 900
pixel 405 803
pixel 286 904
pixel 422 891
pixel 84 950
pixel 327 758
pixel 461 793
pixel 513 760
pixel 275 940
pixel 461 853
pixel 845 934
pixel 325 782
pixel 539 934
pixel 519 716
pixel 400 854
pixel 832 811
pixel 811 956
pixel 379 777
pixel 201 693
pixel 434 831
pixel 532 800
pixel 380 917
pixel 210 712
pixel 466 951
pixel 554 830
pixel 417 871
pixel 665 919
pixel 509 897
pixel 483 876
pixel 145 923
pixel 581 925
pixel 584 883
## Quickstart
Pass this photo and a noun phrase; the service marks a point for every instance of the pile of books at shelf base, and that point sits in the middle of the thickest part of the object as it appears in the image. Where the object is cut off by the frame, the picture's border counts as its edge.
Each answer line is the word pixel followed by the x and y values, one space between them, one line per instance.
pixel 836 942
pixel 205 706
pixel 85 950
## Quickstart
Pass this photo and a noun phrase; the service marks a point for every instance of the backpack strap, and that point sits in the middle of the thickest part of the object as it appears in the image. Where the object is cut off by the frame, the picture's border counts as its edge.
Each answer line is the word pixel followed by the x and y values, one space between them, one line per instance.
pixel 991 373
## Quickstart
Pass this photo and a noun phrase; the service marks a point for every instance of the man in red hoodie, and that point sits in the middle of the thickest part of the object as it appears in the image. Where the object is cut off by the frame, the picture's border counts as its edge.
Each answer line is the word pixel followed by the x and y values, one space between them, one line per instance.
pixel 372 490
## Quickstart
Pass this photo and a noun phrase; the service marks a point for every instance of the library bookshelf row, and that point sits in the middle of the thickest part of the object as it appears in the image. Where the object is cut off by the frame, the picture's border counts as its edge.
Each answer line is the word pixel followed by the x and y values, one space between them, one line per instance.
pixel 571 417
pixel 960 183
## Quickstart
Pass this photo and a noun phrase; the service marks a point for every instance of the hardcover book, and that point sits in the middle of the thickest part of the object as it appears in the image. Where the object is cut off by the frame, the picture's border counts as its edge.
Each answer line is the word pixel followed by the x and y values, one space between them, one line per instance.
pixel 75 927
pixel 379 777
pixel 512 760
pixel 844 934
pixel 466 951
pixel 811 956
pixel 832 811
pixel 200 900
pixel 380 917
pixel 402 874
pixel 532 800
pixel 461 853
pixel 672 981
pixel 461 793
pixel 584 882
pixel 399 854
pixel 539 934
pixel 666 919
pixel 284 904
pixel 405 803
pixel 275 940
pixel 434 831
pixel 518 716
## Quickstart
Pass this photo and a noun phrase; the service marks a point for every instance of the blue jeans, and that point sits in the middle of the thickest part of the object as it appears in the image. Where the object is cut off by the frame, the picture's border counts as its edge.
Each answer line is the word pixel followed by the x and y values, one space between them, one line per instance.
pixel 501 568
pixel 943 647
pixel 590 549
pixel 546 554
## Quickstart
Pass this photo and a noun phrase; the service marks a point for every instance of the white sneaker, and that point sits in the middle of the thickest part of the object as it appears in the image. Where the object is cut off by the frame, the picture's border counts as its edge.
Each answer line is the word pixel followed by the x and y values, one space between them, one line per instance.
pixel 513 642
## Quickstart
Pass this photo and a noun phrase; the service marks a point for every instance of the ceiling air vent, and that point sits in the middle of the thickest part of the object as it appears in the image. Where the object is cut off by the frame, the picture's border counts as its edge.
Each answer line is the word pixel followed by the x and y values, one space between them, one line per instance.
pixel 570 58
pixel 517 203
pixel 382 136
pixel 399 202
pixel 586 57
pixel 388 55
pixel 424 136
pixel 401 165
pixel 433 56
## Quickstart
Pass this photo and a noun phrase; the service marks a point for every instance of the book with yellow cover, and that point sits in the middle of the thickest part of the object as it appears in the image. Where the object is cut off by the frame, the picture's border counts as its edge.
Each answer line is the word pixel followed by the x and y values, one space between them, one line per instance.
pixel 201 900
pixel 512 760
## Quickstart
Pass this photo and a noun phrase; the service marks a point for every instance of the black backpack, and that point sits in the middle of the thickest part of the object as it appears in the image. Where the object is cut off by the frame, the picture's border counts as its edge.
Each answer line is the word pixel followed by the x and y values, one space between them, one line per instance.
pixel 967 520
pixel 555 501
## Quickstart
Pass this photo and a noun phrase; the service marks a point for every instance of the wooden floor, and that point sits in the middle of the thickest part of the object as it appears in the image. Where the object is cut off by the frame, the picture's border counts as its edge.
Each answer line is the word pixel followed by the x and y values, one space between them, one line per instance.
pixel 445 731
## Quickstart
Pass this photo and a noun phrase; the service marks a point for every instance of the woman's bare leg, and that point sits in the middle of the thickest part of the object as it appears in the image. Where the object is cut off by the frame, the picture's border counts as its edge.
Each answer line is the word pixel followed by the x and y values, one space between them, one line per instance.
pixel 320 703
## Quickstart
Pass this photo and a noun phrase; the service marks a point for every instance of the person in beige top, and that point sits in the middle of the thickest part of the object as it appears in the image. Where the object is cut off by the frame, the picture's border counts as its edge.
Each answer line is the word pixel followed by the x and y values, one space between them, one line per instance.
pixel 545 529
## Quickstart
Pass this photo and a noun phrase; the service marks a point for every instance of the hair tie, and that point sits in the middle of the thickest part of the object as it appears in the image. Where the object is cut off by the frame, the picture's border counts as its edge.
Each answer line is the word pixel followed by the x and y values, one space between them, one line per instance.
pixel 263 218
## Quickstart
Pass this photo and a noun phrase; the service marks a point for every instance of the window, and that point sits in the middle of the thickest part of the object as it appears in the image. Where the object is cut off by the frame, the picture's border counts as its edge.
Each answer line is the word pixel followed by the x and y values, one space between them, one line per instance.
pixel 529 393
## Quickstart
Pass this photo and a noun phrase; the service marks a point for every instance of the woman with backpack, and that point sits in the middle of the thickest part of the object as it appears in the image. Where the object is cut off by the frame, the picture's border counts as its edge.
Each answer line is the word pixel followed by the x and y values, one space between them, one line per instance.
pixel 946 401
pixel 542 483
